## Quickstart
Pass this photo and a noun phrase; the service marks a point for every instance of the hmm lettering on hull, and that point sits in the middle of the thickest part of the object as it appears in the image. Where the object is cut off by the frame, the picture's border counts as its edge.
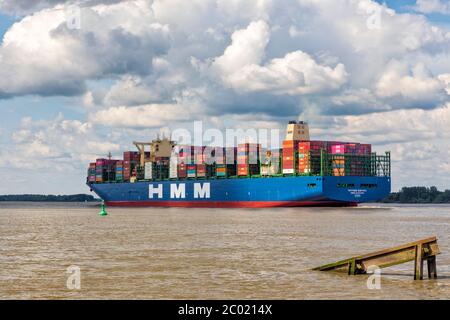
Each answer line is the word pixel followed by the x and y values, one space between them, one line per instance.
pixel 178 191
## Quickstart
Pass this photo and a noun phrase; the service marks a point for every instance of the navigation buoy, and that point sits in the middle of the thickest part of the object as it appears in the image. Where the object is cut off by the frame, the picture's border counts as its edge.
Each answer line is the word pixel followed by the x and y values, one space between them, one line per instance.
pixel 103 211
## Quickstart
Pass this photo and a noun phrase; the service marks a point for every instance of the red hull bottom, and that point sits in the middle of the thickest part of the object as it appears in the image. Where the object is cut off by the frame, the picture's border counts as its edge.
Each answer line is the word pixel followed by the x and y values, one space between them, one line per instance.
pixel 230 204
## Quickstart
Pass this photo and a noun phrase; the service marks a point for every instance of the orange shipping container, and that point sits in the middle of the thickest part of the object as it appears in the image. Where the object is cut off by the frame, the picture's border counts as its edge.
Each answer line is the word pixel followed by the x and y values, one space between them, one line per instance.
pixel 288 152
pixel 243 171
pixel 290 143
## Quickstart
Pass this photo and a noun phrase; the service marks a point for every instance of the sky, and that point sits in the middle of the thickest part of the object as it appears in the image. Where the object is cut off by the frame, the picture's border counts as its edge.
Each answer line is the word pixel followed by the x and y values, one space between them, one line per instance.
pixel 79 79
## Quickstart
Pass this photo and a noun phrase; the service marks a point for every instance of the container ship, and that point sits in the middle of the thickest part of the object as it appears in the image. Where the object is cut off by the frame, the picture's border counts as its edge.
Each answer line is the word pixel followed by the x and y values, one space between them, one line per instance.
pixel 303 173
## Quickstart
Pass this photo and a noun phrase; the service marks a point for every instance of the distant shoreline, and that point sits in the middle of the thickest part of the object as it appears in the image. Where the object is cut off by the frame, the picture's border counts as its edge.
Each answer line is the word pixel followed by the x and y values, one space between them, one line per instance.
pixel 418 195
pixel 47 198
pixel 407 195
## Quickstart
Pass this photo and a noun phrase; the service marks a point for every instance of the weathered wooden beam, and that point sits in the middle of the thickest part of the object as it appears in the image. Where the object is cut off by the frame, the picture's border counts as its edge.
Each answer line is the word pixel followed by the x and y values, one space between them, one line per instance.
pixel 418 262
pixel 352 267
pixel 418 251
pixel 334 265
pixel 431 266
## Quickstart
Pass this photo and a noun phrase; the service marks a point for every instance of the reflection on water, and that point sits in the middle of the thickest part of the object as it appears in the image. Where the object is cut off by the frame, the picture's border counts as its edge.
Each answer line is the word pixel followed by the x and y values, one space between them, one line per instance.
pixel 211 253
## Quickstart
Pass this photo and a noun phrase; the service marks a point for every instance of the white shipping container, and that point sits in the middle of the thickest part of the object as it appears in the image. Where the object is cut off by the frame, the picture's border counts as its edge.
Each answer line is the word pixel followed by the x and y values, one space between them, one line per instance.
pixel 148 170
pixel 269 170
pixel 264 170
pixel 288 171
pixel 173 173
pixel 173 167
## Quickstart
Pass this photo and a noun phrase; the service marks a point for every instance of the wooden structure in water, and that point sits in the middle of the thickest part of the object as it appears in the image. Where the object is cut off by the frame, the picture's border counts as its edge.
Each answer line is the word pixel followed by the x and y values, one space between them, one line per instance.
pixel 418 251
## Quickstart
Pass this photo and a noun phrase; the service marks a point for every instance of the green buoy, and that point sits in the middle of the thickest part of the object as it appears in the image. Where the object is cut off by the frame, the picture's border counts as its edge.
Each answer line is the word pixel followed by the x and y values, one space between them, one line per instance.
pixel 103 211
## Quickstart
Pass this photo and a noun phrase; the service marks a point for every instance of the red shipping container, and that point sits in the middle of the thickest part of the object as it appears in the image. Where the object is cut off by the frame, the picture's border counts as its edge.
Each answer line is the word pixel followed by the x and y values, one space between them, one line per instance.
pixel 100 162
pixel 182 172
pixel 242 170
pixel 338 149
pixel 351 148
pixel 201 170
pixel 314 147
pixel 288 157
pixel 131 156
pixel 288 160
pixel 289 150
pixel 366 149
pixel 290 143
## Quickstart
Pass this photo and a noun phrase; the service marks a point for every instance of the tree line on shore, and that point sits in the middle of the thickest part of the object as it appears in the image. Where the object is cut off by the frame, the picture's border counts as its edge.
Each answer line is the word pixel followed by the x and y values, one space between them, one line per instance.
pixel 48 198
pixel 418 195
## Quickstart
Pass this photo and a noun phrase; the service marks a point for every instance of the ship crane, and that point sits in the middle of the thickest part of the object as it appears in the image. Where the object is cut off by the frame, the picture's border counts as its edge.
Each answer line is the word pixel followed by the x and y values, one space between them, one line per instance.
pixel 158 148
pixel 141 148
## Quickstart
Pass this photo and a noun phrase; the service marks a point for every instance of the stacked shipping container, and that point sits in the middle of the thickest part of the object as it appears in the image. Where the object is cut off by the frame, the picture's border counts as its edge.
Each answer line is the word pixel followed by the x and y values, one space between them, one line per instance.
pixel 309 156
pixel 203 162
pixel 199 167
pixel 119 171
pixel 191 170
pixel 290 148
pixel 91 172
pixel 160 168
pixel 130 161
pixel 184 158
pixel 105 170
pixel 248 159
pixel 354 166
pixel 308 159
pixel 228 165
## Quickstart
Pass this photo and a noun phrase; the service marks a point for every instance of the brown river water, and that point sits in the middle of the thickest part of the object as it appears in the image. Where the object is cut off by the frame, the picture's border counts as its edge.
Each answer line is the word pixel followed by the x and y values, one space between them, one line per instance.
pixel 173 253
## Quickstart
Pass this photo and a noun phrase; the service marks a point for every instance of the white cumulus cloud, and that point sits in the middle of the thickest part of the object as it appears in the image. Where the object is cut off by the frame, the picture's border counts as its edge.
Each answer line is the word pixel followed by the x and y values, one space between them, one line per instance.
pixel 296 73
pixel 415 83
pixel 42 54
pixel 433 6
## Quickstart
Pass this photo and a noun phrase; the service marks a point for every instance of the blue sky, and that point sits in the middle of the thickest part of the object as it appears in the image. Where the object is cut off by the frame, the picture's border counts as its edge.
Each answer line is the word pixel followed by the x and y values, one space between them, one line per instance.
pixel 71 93
pixel 5 22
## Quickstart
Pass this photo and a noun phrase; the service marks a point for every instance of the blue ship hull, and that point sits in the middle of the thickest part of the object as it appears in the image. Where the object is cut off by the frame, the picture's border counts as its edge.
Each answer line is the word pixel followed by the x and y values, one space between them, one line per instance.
pixel 247 192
